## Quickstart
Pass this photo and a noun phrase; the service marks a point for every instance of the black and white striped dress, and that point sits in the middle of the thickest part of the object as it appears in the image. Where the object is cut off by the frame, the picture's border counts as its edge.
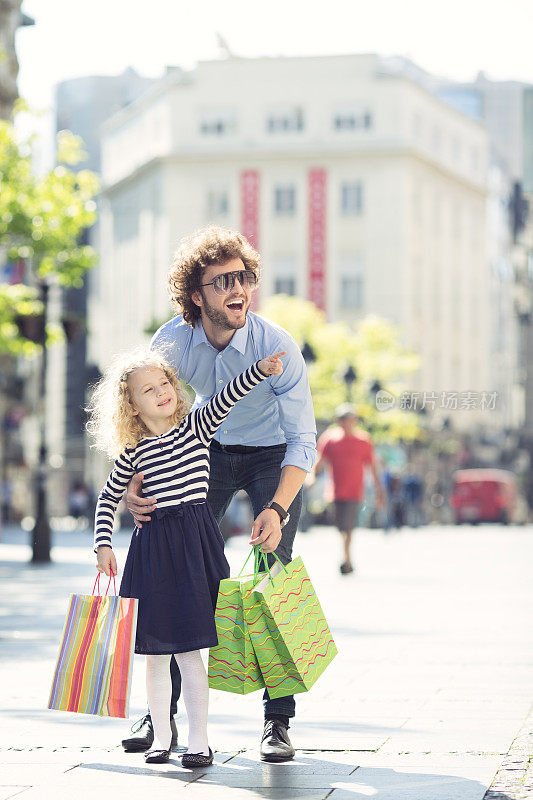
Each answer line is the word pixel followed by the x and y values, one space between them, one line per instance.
pixel 176 561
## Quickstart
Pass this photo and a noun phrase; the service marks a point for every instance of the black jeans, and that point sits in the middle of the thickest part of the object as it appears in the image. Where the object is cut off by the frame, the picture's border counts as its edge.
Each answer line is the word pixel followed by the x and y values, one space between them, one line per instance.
pixel 258 474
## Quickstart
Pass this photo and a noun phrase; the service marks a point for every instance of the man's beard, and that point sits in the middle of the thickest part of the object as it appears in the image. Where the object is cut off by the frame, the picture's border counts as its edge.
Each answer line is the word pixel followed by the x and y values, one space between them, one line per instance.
pixel 219 318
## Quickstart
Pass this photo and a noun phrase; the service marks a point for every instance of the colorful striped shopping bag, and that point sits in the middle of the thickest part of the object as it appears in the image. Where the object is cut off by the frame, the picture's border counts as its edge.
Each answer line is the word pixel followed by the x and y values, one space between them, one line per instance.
pixel 94 668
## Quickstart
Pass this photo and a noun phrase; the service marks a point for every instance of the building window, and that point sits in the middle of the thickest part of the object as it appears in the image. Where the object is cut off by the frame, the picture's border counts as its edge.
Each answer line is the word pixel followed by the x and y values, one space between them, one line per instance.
pixel 290 120
pixel 351 282
pixel 352 119
pixel 352 197
pixel 286 285
pixel 217 203
pixel 284 201
pixel 351 291
pixel 284 269
pixel 218 123
pixel 125 212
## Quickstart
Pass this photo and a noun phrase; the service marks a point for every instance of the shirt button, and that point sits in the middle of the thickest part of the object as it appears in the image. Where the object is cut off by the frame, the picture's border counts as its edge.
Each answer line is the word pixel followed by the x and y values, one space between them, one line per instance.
pixel 220 380
pixel 220 356
pixel 225 431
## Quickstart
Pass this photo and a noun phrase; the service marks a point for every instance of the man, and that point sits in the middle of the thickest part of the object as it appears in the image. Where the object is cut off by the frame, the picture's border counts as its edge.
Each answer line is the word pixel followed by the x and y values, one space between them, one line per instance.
pixel 347 450
pixel 267 444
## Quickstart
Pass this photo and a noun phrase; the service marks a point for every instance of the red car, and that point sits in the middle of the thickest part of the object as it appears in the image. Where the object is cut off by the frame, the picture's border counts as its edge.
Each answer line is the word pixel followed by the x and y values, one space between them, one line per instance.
pixel 484 495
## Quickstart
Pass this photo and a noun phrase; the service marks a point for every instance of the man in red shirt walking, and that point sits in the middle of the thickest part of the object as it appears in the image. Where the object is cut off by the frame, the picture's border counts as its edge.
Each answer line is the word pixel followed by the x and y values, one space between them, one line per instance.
pixel 347 450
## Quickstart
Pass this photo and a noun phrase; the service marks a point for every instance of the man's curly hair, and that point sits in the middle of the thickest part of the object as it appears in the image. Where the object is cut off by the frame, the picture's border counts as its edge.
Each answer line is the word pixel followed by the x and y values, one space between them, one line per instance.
pixel 212 245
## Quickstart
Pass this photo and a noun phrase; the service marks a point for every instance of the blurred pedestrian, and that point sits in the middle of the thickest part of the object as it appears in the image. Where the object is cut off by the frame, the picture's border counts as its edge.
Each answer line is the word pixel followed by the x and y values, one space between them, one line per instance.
pixel 394 510
pixel 79 500
pixel 7 499
pixel 347 450
pixel 413 492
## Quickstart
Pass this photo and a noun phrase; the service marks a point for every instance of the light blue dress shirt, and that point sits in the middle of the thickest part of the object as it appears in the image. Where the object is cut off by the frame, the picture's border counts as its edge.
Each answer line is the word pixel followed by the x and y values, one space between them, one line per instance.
pixel 279 410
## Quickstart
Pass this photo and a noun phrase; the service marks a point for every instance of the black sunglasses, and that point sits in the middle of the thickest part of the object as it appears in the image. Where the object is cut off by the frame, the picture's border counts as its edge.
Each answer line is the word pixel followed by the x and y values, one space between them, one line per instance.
pixel 224 283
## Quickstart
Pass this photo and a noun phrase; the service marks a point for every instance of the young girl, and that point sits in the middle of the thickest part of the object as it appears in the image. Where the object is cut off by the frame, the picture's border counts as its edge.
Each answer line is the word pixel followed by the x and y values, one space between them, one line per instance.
pixel 176 561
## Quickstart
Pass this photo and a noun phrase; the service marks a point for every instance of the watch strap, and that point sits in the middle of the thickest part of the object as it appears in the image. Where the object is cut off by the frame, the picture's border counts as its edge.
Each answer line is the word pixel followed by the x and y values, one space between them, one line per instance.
pixel 280 510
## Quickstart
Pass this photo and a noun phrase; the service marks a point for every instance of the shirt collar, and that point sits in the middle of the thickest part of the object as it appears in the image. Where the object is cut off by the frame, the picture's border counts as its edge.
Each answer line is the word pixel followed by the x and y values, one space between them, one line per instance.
pixel 198 335
pixel 238 341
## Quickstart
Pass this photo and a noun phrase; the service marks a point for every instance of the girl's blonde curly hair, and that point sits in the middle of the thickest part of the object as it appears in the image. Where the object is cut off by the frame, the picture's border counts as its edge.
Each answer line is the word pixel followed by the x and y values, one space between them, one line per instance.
pixel 112 425
pixel 212 245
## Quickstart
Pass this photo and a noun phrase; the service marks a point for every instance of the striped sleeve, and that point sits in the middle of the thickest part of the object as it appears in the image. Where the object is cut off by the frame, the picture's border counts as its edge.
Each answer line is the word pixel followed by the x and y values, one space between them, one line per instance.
pixel 109 498
pixel 205 421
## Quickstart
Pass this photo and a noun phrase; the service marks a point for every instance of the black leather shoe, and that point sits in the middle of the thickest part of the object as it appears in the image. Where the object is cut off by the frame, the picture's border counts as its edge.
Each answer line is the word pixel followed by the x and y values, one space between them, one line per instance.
pixel 144 735
pixel 192 760
pixel 157 756
pixel 275 744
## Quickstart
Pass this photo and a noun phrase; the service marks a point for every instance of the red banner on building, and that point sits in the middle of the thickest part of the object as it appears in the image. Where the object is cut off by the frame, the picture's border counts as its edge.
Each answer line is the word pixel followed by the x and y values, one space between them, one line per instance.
pixel 250 215
pixel 317 237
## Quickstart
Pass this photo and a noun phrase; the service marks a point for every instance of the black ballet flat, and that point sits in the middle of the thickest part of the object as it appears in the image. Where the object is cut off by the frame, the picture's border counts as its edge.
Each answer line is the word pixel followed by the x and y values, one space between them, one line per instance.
pixel 192 760
pixel 157 756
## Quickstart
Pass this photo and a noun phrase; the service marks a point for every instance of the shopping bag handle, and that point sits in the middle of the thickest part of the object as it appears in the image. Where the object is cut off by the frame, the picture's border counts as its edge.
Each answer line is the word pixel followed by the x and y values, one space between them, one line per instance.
pixel 247 560
pixel 260 556
pixel 97 584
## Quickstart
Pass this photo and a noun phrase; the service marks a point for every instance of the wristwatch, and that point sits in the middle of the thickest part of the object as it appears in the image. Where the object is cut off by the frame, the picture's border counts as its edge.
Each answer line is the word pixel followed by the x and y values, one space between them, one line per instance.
pixel 283 515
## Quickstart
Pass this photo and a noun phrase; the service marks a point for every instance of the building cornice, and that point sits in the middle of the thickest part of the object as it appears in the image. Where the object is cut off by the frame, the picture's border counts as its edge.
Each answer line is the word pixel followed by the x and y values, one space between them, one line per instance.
pixel 246 158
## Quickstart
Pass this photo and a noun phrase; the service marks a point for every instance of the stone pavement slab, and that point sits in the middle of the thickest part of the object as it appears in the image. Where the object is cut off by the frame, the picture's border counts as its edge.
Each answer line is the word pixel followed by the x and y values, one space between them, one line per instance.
pixel 411 777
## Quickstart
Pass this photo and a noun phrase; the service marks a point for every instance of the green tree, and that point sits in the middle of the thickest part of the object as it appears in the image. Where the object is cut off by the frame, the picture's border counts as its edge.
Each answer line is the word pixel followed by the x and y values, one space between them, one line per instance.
pixel 42 217
pixel 373 349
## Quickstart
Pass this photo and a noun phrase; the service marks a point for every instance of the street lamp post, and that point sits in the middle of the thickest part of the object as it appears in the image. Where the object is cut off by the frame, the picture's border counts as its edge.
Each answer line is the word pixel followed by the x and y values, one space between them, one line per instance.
pixel 375 388
pixel 308 353
pixel 41 530
pixel 349 378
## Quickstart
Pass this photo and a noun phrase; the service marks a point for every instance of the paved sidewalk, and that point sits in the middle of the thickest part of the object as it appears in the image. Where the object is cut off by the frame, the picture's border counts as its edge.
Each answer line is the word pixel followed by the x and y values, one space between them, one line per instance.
pixel 428 699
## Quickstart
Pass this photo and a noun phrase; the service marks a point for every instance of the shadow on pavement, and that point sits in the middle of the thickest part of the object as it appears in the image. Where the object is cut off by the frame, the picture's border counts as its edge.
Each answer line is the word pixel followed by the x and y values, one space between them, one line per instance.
pixel 305 774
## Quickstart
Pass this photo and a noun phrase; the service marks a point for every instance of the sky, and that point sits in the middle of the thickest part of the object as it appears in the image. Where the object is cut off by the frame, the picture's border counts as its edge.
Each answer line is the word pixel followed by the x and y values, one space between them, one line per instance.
pixel 456 38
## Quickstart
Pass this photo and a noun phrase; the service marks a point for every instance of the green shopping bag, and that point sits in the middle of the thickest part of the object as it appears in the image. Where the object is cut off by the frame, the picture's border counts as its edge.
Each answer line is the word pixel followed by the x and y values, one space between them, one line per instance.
pixel 233 664
pixel 287 627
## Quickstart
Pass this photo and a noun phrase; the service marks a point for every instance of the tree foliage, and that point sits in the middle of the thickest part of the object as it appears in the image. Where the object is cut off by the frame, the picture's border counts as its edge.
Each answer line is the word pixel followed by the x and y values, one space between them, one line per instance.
pixel 42 218
pixel 17 301
pixel 374 350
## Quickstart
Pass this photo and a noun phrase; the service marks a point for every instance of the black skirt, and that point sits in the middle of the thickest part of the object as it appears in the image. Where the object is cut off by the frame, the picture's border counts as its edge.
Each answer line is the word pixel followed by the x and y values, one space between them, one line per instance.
pixel 174 566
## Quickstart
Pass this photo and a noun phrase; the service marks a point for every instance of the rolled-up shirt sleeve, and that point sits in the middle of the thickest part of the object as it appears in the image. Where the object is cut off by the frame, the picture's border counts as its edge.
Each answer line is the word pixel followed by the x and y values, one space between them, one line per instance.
pixel 296 414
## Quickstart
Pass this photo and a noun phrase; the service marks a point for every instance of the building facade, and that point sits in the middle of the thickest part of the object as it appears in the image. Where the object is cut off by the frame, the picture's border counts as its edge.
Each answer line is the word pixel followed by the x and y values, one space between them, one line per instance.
pixel 363 191
pixel 11 19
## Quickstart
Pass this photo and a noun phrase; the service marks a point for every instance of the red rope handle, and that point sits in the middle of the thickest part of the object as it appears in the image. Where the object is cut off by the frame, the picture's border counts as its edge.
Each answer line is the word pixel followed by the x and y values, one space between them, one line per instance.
pixel 109 584
pixel 111 578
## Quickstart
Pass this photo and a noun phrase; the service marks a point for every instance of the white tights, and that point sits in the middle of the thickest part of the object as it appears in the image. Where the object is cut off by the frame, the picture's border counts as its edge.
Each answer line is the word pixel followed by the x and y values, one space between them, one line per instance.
pixel 195 693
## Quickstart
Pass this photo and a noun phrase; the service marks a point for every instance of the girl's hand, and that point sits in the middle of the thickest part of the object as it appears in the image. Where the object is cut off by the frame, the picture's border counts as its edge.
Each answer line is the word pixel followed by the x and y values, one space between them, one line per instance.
pixel 272 365
pixel 106 561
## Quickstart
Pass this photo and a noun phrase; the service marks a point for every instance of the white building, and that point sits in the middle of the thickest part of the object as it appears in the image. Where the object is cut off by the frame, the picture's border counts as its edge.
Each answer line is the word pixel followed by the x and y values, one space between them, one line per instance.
pixel 362 190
